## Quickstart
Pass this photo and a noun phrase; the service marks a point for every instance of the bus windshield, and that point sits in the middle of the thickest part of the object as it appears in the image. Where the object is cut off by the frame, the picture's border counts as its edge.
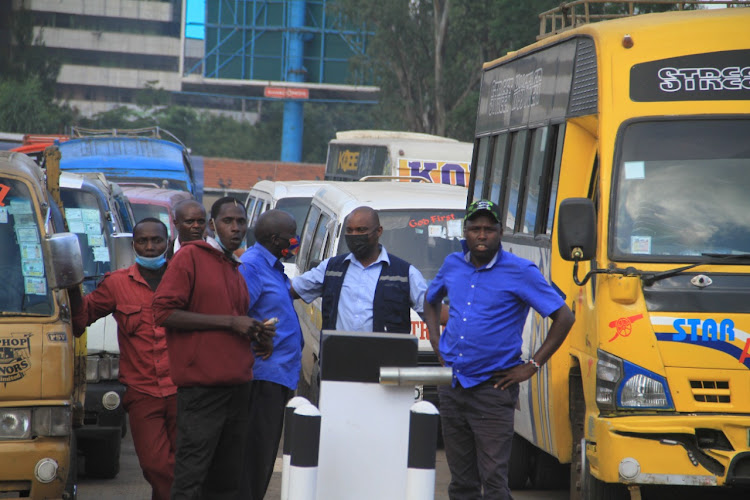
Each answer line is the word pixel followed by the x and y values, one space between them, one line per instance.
pixel 85 219
pixel 681 189
pixel 24 289
pixel 423 238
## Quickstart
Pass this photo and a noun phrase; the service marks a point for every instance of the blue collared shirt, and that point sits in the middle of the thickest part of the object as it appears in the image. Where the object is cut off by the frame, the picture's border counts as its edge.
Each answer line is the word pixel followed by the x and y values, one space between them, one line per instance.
pixel 269 298
pixel 488 310
pixel 357 290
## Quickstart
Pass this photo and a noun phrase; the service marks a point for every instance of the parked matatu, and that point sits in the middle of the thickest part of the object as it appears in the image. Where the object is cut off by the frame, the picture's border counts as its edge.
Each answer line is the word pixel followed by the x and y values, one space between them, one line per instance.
pixel 39 389
pixel 618 151
pixel 92 214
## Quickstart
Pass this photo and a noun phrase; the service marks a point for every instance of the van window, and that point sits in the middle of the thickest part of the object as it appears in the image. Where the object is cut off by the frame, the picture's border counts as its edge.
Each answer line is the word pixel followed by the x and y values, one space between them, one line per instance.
pixel 85 220
pixel 421 237
pixel 143 210
pixel 297 208
pixel 306 236
pixel 24 288
pixel 318 244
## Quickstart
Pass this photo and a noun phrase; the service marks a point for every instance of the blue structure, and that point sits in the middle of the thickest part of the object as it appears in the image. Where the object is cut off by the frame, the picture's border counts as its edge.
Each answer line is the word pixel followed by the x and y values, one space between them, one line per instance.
pixel 297 48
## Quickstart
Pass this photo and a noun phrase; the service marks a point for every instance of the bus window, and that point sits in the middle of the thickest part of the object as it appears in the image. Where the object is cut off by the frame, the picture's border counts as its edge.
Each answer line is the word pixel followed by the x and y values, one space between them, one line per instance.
pixel 534 179
pixel 499 163
pixel 560 136
pixel 517 160
pixel 480 167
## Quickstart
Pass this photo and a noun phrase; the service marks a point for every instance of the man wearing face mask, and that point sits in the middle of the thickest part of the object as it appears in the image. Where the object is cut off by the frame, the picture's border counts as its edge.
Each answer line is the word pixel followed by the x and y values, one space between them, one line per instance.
pixel 150 397
pixel 274 377
pixel 367 290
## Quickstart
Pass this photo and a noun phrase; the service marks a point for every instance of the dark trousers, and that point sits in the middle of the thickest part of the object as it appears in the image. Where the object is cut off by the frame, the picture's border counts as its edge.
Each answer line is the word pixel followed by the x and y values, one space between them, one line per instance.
pixel 478 432
pixel 212 427
pixel 267 404
pixel 153 425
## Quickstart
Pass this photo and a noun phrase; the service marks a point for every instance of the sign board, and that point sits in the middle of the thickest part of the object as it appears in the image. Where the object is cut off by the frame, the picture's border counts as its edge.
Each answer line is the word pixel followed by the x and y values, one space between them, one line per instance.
pixel 286 93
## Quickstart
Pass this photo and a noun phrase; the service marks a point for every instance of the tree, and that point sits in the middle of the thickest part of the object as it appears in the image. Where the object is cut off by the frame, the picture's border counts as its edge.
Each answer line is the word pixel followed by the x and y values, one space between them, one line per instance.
pixel 426 55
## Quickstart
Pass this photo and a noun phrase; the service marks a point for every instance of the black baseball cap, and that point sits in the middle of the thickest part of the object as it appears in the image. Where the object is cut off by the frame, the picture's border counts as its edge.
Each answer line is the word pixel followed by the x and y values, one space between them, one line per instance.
pixel 481 206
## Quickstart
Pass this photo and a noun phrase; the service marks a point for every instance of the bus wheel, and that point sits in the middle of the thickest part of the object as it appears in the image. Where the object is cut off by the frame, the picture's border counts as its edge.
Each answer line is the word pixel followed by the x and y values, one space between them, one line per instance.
pixel 584 486
pixel 520 463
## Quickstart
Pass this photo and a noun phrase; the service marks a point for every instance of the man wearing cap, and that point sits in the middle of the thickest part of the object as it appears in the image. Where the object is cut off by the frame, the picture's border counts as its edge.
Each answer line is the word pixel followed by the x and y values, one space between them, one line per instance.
pixel 490 292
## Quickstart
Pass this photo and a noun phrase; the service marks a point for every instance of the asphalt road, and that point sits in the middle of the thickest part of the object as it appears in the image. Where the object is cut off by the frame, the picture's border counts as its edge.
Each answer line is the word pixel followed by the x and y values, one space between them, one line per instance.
pixel 130 485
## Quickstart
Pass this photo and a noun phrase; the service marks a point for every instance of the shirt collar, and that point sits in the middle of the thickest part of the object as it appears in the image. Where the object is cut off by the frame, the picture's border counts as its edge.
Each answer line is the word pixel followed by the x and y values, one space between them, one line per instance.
pixel 215 244
pixel 382 257
pixel 268 256
pixel 492 262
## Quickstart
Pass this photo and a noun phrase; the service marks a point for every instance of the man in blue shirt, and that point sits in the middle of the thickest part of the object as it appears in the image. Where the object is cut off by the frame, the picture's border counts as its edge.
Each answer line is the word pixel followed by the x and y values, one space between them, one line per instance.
pixel 274 377
pixel 490 292
pixel 367 290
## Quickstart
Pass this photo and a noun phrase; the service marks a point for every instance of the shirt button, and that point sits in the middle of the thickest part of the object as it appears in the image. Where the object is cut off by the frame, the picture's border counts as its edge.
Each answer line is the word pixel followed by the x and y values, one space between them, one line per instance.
pixel 460 354
pixel 464 319
pixel 458 371
pixel 468 303
pixel 462 337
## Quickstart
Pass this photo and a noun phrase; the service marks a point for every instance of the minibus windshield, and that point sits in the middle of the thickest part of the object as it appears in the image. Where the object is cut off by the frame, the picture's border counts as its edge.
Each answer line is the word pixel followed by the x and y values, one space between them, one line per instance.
pixel 681 190
pixel 421 237
pixel 24 289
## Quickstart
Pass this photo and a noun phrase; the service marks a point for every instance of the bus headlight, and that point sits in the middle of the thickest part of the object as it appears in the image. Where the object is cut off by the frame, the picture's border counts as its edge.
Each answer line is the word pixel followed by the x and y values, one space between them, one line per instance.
pixel 622 384
pixel 643 389
pixel 15 423
pixel 608 375
pixel 52 421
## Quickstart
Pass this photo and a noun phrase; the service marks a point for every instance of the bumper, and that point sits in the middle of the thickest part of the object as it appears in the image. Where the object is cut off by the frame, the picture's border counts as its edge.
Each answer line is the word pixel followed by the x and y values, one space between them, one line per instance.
pixel 98 418
pixel 667 449
pixel 20 459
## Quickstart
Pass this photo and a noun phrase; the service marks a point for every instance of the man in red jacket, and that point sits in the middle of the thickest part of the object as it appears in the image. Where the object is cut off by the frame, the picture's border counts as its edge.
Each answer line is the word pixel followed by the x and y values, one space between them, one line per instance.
pixel 150 398
pixel 203 302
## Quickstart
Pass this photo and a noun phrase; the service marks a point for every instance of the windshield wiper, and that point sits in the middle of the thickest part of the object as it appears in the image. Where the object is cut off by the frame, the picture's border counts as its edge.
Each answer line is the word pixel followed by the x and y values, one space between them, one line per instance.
pixel 650 279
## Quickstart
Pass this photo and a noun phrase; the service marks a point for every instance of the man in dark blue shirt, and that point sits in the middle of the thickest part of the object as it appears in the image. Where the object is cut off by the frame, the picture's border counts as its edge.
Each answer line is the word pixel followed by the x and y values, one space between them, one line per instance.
pixel 490 292
pixel 274 377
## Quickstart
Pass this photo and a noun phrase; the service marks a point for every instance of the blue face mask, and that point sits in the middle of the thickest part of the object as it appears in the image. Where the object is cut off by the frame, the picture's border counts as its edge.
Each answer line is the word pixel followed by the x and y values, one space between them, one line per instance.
pixel 218 240
pixel 152 263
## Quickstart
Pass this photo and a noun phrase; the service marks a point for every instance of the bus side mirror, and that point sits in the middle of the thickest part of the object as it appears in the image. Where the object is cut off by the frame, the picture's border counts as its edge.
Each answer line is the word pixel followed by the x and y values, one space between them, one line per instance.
pixel 576 229
pixel 67 265
pixel 122 253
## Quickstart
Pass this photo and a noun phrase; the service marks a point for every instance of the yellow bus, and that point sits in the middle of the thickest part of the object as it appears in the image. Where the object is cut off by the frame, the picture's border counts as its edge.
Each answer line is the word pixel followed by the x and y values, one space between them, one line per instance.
pixel 620 153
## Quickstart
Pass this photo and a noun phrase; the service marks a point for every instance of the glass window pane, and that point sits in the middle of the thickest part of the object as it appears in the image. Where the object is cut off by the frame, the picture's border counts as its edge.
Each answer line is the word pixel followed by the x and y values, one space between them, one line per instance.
pixel 534 179
pixel 319 239
pixel 517 157
pixel 480 168
pixel 555 179
pixel 306 237
pixel 498 164
pixel 681 190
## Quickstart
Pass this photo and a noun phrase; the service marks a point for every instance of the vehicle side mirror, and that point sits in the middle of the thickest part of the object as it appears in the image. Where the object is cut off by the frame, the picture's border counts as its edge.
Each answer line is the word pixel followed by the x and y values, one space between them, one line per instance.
pixel 123 255
pixel 67 265
pixel 576 229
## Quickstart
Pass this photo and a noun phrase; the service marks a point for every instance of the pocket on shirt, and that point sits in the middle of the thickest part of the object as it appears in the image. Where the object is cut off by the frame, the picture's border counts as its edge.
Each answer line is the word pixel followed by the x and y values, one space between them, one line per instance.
pixel 130 317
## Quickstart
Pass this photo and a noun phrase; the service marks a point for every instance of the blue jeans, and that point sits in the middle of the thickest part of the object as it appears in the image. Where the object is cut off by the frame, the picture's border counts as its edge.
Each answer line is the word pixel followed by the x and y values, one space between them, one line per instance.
pixel 478 432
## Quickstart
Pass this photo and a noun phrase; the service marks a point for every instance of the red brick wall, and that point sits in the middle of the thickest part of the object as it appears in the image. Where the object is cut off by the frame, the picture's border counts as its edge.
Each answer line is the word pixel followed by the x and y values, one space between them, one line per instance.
pixel 224 173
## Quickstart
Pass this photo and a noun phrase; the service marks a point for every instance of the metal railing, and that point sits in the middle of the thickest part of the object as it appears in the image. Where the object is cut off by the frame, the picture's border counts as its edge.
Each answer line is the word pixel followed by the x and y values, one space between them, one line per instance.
pixel 155 132
pixel 570 15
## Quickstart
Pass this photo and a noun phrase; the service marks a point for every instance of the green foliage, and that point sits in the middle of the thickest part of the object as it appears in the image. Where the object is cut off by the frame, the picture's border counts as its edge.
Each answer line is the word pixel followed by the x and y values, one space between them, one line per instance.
pixel 26 108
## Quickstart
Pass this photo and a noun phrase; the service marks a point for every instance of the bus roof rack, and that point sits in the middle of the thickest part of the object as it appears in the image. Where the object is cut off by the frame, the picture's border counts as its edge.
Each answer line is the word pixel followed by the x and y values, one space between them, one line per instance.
pixel 371 178
pixel 155 132
pixel 569 15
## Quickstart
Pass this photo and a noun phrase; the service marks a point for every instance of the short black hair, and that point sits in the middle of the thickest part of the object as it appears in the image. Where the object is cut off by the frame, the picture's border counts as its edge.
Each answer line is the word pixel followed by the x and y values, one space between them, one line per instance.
pixel 185 203
pixel 151 219
pixel 216 207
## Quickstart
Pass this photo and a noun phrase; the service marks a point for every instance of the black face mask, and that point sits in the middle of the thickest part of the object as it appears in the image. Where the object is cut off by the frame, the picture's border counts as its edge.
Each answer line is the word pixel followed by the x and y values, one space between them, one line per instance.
pixel 359 244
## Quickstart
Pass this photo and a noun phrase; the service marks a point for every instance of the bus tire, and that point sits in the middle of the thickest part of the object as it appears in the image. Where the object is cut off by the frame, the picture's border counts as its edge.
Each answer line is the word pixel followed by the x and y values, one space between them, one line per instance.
pixel 547 473
pixel 103 459
pixel 520 463
pixel 583 485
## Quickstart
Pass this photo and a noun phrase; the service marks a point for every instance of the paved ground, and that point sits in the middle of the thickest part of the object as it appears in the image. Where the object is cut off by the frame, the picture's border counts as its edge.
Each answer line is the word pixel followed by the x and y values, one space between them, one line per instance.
pixel 130 485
